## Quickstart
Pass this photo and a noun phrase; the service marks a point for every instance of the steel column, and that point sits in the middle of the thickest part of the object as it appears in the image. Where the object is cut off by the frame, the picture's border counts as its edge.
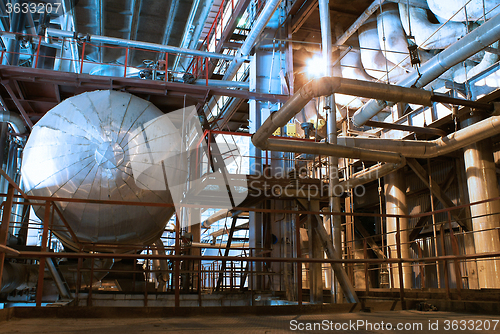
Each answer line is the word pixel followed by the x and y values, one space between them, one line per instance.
pixel 395 193
pixel 482 184
pixel 4 228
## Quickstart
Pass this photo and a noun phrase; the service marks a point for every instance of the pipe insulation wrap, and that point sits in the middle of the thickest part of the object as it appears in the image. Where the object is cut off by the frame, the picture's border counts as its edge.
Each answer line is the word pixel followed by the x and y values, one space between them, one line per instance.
pixel 474 9
pixel 82 145
pixel 427 35
pixel 480 38
pixel 14 120
pixel 429 149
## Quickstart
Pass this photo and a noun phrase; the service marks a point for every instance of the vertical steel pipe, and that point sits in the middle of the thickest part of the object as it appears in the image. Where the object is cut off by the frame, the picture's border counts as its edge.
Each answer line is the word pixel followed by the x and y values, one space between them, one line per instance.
pixel 482 184
pixel 395 194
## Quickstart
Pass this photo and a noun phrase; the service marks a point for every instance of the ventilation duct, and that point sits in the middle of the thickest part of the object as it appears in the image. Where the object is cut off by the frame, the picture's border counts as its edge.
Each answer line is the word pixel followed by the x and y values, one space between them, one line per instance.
pixel 374 62
pixel 475 9
pixel 14 120
pixel 475 41
pixel 429 35
pixel 82 146
pixel 392 37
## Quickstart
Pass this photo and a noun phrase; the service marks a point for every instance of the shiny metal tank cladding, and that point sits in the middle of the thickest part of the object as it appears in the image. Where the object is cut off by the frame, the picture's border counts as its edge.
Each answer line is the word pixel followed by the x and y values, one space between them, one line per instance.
pixel 79 150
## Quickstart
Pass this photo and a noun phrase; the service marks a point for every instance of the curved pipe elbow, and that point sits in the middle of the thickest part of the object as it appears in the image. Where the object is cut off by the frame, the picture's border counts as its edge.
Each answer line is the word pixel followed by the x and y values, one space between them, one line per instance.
pixel 427 35
pixel 14 120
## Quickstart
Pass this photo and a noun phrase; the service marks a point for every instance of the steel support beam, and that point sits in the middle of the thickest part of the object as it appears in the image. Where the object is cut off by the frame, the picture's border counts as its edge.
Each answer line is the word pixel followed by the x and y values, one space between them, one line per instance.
pixel 436 190
pixel 422 221
pixel 369 239
pixel 19 106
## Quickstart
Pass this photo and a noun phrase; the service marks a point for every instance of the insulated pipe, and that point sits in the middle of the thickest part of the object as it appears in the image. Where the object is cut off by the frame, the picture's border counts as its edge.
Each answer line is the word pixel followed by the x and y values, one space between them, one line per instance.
pixel 222 83
pixel 352 67
pixel 221 214
pixel 373 60
pixel 14 120
pixel 135 44
pixel 427 35
pixel 18 276
pixel 392 37
pixel 333 177
pixel 328 85
pixel 395 195
pixel 474 9
pixel 359 22
pixel 489 59
pixel 475 41
pixel 198 29
pixel 257 28
pixel 16 25
pixel 331 150
pixel 188 31
pixel 482 185
pixel 162 276
pixel 429 149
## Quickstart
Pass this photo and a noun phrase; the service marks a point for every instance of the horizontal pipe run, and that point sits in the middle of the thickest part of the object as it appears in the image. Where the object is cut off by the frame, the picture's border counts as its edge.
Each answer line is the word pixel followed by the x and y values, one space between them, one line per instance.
pixel 221 214
pixel 462 102
pixel 429 149
pixel 247 209
pixel 326 86
pixel 135 44
pixel 222 83
pixel 477 40
pixel 332 150
pixel 416 129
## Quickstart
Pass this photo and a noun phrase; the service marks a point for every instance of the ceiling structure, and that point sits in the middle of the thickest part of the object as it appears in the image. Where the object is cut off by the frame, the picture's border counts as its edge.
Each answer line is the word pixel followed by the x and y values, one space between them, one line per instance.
pixel 178 23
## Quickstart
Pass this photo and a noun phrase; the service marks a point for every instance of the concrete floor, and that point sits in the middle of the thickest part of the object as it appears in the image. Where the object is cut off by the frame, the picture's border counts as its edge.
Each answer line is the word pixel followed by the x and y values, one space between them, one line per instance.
pixel 262 324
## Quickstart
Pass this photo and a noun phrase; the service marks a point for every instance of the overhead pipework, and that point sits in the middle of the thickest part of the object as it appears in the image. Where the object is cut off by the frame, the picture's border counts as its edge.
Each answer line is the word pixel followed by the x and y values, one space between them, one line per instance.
pixel 475 41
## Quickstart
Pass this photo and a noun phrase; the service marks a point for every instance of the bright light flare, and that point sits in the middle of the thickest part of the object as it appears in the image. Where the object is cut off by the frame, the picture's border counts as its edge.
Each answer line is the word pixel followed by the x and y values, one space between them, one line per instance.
pixel 316 67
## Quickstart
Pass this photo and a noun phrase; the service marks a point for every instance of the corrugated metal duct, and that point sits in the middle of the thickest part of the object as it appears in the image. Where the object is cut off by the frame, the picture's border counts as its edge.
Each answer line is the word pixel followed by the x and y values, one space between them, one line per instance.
pixel 79 150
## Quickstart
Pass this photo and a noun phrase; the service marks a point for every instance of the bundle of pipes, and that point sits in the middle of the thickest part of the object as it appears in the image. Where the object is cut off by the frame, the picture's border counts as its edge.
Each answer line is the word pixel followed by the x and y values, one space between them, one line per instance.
pixel 384 39
pixel 458 48
pixel 367 148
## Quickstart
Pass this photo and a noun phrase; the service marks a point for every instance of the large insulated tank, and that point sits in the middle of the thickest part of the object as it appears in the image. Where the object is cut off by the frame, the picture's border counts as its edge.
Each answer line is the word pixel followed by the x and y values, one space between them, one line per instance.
pixel 79 150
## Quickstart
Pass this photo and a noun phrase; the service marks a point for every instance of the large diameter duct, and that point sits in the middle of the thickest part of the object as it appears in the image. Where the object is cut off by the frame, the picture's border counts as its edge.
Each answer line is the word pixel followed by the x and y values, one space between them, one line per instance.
pixel 489 59
pixel 392 37
pixel 429 35
pixel 482 184
pixel 373 60
pixel 18 276
pixel 475 41
pixel 475 9
pixel 428 149
pixel 79 150
pixel 351 68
